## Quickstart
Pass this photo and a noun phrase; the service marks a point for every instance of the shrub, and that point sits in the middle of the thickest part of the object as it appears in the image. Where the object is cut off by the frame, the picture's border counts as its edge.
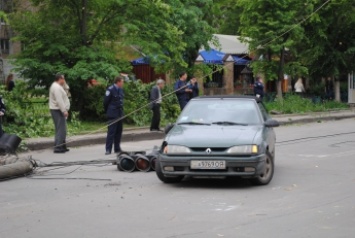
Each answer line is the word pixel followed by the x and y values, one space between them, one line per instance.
pixel 296 104
pixel 136 97
pixel 27 113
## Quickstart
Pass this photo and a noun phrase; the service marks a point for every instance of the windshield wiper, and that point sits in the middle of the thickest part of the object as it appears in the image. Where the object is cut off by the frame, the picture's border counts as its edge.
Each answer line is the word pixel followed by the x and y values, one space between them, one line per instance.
pixel 229 123
pixel 194 123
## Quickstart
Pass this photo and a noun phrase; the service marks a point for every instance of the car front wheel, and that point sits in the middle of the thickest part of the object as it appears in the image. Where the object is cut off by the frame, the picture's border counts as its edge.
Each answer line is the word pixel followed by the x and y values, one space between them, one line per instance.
pixel 163 178
pixel 265 177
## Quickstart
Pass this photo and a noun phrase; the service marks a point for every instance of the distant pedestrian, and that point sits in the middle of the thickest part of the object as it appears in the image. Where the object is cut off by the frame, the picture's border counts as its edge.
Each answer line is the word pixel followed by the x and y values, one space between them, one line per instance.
pixel 2 113
pixel 181 90
pixel 10 84
pixel 299 87
pixel 329 89
pixel 155 102
pixel 259 88
pixel 193 85
pixel 59 105
pixel 113 105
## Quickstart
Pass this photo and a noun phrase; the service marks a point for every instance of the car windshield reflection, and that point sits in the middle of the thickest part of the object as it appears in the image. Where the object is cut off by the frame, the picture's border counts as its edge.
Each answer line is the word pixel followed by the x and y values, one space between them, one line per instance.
pixel 224 112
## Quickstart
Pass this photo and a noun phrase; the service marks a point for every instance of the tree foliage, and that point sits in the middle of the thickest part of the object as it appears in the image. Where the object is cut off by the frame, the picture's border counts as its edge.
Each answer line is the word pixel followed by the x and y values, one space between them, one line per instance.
pixel 82 38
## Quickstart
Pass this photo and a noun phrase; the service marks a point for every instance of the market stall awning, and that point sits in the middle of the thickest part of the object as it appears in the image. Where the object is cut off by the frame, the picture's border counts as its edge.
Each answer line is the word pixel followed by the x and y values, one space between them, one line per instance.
pixel 140 61
pixel 212 56
pixel 240 60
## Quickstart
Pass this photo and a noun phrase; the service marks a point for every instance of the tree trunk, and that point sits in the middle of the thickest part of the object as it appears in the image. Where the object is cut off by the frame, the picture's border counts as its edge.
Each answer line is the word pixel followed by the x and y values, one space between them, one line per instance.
pixel 281 74
pixel 337 90
pixel 83 27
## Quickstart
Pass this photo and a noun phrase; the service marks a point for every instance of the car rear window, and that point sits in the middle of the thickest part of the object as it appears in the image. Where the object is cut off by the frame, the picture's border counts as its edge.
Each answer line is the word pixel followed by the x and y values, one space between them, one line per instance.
pixel 214 110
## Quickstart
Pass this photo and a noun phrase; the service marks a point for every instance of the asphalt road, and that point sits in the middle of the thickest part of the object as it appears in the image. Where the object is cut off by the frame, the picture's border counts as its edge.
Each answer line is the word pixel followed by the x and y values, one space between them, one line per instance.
pixel 312 195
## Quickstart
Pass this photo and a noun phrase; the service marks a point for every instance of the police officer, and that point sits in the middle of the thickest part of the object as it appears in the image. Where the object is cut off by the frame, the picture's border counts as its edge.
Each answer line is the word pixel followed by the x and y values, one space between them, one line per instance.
pixel 193 85
pixel 182 92
pixel 259 88
pixel 2 113
pixel 113 104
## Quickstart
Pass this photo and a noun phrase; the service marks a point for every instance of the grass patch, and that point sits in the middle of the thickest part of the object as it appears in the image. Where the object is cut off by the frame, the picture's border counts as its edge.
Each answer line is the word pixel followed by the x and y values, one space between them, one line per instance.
pixel 297 104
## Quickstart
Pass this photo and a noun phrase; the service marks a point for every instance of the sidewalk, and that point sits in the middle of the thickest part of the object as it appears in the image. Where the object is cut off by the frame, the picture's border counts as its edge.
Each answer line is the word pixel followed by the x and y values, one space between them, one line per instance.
pixel 144 133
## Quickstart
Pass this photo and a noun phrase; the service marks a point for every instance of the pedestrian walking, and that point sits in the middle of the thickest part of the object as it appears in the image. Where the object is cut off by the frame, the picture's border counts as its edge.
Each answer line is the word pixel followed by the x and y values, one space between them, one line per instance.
pixel 259 87
pixel 10 84
pixel 193 85
pixel 59 106
pixel 181 91
pixel 113 105
pixel 155 102
pixel 299 87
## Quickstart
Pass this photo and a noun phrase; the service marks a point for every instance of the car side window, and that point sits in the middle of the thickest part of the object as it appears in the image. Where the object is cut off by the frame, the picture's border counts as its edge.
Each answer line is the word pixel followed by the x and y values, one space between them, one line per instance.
pixel 263 111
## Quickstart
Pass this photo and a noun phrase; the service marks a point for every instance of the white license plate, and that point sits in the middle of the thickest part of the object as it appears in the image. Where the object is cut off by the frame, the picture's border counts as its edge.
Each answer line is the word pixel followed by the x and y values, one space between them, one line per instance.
pixel 208 164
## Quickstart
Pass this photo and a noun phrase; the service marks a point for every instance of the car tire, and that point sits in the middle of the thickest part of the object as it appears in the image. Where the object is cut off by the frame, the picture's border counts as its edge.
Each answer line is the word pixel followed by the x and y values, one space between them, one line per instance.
pixel 163 178
pixel 266 176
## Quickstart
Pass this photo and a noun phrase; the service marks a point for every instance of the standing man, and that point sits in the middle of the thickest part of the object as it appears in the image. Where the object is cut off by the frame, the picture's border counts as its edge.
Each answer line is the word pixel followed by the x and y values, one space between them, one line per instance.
pixel 155 102
pixel 2 113
pixel 193 85
pixel 182 92
pixel 113 105
pixel 59 106
pixel 259 88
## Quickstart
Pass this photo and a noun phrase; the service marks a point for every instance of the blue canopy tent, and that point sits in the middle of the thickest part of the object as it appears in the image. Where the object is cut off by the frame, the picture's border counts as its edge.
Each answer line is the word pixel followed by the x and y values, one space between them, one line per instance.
pixel 240 61
pixel 140 61
pixel 212 56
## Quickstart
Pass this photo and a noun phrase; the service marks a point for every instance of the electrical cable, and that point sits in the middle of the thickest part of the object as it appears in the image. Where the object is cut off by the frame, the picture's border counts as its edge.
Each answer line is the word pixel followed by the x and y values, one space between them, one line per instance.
pixel 302 139
pixel 298 23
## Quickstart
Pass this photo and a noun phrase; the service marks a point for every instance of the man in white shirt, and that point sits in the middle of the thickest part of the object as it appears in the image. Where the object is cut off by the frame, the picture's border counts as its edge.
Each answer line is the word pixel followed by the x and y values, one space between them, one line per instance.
pixel 59 106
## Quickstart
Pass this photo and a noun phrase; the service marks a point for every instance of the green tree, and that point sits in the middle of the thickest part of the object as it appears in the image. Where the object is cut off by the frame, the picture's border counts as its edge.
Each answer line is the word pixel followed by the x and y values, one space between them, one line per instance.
pixel 81 38
pixel 329 48
pixel 265 25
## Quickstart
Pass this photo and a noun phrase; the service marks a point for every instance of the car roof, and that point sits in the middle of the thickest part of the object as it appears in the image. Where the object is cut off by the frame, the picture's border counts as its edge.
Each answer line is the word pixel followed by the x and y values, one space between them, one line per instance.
pixel 227 97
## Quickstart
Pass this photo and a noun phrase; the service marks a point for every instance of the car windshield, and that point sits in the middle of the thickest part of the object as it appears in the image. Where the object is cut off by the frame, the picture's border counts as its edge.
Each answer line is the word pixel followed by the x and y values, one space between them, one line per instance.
pixel 226 112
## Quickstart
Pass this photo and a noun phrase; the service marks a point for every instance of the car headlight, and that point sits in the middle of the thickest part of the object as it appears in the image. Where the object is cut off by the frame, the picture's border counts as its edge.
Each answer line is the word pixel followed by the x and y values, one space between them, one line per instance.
pixel 176 149
pixel 243 149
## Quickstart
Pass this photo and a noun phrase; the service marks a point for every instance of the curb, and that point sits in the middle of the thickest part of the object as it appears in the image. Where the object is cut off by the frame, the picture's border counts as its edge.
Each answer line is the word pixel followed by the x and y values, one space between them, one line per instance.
pixel 315 119
pixel 94 139
pixel 134 135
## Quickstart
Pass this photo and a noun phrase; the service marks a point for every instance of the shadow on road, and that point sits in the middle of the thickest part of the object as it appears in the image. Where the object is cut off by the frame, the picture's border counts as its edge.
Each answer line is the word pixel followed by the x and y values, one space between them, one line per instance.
pixel 219 183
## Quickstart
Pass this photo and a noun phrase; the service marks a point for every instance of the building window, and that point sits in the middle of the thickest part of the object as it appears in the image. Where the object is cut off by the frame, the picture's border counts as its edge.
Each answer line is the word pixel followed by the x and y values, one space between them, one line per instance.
pixel 5 46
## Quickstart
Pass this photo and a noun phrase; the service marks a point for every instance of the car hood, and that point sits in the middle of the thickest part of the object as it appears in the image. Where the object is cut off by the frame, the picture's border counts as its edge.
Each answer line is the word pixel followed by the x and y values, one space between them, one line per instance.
pixel 212 136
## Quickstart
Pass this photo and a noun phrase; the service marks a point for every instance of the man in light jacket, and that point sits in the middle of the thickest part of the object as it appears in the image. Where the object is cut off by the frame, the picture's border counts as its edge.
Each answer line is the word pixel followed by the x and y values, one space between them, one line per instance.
pixel 59 106
pixel 155 101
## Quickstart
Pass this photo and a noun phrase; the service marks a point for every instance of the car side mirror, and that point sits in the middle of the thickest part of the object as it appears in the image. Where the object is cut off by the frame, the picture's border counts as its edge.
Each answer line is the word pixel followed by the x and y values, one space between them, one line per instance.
pixel 271 123
pixel 168 128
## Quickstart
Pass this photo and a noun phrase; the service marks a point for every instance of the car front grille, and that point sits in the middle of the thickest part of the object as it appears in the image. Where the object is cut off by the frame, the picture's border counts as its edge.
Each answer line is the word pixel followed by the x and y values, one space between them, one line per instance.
pixel 213 149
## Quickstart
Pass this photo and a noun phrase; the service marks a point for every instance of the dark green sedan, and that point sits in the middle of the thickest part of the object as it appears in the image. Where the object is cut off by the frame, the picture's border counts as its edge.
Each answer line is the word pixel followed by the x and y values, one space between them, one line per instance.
pixel 219 136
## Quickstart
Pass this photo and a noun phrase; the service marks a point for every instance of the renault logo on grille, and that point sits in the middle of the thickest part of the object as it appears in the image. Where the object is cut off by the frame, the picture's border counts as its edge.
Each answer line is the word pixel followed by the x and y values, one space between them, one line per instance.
pixel 208 151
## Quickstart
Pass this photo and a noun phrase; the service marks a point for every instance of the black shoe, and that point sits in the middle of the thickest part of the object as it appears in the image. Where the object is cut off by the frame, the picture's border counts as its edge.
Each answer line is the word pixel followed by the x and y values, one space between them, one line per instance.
pixel 154 130
pixel 108 153
pixel 66 150
pixel 59 151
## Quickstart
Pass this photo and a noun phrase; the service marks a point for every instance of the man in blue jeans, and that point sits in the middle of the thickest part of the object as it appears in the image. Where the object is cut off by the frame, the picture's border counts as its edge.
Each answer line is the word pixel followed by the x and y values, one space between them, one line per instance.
pixel 113 105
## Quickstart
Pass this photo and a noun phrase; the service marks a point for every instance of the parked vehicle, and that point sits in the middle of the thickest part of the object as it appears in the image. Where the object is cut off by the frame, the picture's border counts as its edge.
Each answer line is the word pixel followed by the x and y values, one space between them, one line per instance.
pixel 219 136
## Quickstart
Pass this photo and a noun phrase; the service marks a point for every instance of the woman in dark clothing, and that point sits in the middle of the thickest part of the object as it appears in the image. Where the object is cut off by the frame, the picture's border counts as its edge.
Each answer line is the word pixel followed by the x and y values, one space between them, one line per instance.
pixel 10 84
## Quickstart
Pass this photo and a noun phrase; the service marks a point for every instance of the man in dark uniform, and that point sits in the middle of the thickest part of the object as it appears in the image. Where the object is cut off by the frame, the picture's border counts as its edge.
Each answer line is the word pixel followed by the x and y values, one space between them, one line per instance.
pixel 113 104
pixel 2 113
pixel 155 102
pixel 259 88
pixel 182 92
pixel 193 85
